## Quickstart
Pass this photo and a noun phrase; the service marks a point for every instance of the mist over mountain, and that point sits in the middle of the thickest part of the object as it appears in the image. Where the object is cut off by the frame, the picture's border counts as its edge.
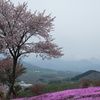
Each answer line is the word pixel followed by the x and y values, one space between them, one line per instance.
pixel 72 65
pixel 82 65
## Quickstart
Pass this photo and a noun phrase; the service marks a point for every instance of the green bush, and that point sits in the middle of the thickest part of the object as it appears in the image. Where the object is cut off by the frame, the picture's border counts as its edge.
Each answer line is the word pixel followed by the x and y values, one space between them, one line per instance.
pixel 24 93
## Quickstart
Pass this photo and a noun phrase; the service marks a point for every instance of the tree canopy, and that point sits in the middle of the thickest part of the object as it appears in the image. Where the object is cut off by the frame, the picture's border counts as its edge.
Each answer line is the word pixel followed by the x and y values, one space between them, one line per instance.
pixel 18 25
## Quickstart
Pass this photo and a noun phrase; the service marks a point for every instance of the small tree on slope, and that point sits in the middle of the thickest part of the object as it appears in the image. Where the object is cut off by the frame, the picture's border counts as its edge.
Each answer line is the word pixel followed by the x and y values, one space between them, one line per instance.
pixel 18 28
pixel 6 69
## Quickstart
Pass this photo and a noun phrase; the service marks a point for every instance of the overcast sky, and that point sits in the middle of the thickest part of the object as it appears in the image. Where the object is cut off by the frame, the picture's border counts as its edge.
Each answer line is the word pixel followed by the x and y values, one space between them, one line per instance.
pixel 77 25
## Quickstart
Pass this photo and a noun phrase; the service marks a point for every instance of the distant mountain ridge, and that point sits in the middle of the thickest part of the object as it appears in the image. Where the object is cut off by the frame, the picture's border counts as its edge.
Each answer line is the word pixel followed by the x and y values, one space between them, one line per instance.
pixel 91 75
pixel 31 67
pixel 74 65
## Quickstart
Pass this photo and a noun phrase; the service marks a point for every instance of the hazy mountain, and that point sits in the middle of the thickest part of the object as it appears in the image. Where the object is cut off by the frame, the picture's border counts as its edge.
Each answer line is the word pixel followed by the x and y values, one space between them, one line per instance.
pixel 34 68
pixel 74 65
pixel 31 67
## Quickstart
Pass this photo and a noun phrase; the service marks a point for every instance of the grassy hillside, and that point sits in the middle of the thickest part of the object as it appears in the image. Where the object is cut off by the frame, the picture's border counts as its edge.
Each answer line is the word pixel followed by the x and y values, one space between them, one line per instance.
pixel 38 74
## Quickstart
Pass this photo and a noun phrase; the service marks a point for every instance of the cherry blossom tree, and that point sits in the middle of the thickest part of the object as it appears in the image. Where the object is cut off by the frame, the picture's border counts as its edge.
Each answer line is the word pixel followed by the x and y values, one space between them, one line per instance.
pixel 18 30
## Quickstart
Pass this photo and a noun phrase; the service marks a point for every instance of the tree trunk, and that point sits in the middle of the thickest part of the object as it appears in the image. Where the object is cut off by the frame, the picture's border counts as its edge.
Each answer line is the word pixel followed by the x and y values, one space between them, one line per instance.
pixel 11 88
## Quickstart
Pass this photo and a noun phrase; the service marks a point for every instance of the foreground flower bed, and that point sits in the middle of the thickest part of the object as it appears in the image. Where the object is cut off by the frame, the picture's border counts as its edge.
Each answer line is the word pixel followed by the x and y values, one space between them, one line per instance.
pixel 92 93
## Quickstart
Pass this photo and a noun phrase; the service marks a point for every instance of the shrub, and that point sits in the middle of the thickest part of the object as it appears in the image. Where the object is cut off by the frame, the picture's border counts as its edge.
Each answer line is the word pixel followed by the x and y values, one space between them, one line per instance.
pixel 3 92
pixel 96 83
pixel 37 89
pixel 85 83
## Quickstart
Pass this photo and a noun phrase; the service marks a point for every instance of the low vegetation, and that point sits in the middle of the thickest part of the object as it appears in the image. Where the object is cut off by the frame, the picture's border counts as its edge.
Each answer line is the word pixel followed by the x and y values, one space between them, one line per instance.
pixel 43 87
pixel 74 94
pixel 58 85
pixel 38 88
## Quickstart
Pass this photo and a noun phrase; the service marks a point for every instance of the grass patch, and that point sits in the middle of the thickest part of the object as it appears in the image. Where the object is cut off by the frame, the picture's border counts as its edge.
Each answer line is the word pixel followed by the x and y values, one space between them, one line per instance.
pixel 50 88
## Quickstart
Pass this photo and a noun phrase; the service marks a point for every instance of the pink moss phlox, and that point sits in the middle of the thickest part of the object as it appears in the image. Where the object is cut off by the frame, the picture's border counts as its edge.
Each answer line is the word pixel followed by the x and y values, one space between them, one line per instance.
pixel 92 93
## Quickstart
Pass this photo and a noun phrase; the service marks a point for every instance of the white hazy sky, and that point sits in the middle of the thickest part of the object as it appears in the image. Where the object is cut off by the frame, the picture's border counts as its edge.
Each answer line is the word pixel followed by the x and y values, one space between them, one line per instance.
pixel 77 25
